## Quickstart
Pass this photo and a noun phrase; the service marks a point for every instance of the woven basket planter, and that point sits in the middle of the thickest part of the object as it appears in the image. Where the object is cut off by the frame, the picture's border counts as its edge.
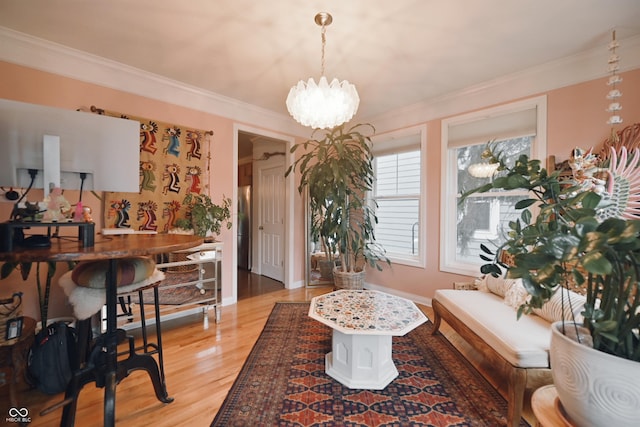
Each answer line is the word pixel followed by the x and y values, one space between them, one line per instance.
pixel 348 280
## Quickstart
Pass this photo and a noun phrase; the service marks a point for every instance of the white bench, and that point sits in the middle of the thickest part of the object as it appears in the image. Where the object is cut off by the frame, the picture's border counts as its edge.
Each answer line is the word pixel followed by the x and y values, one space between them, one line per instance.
pixel 518 349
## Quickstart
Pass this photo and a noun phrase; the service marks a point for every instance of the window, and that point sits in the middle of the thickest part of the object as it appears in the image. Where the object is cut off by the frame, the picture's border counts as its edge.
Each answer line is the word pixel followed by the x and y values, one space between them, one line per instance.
pixel 484 217
pixel 398 164
pixel 516 129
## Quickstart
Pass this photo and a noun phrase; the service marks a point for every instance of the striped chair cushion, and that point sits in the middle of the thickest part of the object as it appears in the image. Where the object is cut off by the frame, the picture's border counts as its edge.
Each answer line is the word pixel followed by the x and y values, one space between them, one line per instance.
pixel 92 274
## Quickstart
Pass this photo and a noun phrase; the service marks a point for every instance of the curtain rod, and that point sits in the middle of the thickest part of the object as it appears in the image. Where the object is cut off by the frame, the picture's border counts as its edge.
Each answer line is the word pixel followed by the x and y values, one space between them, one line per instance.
pixel 97 110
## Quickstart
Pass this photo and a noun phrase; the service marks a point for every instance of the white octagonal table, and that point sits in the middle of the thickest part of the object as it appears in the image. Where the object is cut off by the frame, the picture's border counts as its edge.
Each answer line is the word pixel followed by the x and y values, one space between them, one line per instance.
pixel 363 324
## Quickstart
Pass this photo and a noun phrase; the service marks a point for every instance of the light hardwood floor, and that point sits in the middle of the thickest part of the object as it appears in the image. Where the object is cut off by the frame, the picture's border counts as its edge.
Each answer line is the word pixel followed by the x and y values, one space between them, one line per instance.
pixel 202 359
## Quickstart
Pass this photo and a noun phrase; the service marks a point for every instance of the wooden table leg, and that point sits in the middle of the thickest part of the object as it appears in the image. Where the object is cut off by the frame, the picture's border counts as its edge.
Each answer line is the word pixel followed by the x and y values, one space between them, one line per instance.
pixel 111 346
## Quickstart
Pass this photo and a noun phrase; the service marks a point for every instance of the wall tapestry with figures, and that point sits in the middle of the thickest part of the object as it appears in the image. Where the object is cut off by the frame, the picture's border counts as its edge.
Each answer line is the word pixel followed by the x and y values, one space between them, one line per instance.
pixel 174 161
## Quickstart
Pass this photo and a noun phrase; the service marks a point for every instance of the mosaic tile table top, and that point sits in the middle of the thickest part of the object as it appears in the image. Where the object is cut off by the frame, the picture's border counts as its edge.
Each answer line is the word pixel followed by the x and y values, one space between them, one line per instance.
pixel 366 312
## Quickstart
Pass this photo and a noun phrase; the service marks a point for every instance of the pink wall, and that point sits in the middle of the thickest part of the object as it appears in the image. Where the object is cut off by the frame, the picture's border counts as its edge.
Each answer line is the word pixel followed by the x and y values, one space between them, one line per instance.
pixel 28 85
pixel 576 116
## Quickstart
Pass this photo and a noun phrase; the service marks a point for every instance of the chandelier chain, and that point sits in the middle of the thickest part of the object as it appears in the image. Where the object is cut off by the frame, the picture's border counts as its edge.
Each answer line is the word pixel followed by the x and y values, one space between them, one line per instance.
pixel 324 42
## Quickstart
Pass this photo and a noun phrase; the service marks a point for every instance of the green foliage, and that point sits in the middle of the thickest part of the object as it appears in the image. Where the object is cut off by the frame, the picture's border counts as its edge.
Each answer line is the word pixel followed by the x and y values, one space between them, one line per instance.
pixel 204 216
pixel 337 171
pixel 566 245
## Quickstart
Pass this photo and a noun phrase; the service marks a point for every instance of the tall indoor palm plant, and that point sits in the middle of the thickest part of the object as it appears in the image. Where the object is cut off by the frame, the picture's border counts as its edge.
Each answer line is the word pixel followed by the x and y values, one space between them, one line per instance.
pixel 336 170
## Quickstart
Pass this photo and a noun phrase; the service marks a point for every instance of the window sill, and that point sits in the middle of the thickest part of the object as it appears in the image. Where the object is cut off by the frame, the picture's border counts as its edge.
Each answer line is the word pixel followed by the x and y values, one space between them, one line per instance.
pixel 408 261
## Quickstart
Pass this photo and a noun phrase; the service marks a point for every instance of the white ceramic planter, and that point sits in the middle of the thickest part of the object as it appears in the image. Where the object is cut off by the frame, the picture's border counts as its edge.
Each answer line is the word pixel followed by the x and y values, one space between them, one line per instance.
pixel 595 388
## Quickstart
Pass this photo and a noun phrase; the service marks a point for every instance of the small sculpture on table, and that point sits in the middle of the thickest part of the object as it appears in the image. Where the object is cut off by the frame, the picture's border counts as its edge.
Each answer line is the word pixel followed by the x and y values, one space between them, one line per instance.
pixel 58 208
pixel 28 213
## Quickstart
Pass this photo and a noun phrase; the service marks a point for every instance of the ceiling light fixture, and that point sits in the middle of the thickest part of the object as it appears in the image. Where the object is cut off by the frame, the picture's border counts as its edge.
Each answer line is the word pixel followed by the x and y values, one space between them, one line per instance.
pixel 483 170
pixel 323 105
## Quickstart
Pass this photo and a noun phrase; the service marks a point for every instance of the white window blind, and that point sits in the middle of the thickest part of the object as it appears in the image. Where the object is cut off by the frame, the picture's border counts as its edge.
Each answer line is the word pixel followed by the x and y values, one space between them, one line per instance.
pixel 498 126
pixel 399 163
pixel 397 144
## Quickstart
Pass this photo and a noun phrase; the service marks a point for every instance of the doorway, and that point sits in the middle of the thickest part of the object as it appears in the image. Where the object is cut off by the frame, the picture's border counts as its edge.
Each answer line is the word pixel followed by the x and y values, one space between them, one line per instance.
pixel 265 205
pixel 270 208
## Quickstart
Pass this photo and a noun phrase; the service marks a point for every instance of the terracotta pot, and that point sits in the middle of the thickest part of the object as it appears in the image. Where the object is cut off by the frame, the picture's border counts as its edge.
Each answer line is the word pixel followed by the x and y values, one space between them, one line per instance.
pixel 594 388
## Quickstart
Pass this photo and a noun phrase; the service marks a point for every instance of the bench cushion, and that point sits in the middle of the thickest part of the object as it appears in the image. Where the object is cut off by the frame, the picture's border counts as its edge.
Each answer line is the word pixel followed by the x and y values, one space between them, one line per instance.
pixel 522 342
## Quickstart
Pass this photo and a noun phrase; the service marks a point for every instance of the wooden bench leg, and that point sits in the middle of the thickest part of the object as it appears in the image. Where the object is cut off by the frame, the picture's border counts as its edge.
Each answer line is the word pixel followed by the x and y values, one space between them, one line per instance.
pixel 437 319
pixel 515 398
pixel 516 377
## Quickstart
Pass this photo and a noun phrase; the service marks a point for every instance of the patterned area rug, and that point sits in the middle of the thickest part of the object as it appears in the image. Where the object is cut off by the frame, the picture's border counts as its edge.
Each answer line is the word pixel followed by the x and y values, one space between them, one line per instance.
pixel 283 383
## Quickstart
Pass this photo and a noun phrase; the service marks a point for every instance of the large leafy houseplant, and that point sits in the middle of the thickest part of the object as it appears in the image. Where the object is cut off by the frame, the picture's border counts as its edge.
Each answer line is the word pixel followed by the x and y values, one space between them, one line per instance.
pixel 577 239
pixel 204 216
pixel 336 169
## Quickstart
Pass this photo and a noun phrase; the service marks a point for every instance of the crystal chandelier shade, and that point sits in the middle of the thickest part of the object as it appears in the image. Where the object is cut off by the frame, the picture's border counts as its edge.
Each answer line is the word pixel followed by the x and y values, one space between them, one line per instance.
pixel 323 105
pixel 483 170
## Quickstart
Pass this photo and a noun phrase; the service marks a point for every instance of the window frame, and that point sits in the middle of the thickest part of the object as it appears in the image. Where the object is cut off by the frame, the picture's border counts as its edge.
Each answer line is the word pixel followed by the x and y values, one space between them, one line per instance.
pixel 396 142
pixel 486 233
pixel 448 201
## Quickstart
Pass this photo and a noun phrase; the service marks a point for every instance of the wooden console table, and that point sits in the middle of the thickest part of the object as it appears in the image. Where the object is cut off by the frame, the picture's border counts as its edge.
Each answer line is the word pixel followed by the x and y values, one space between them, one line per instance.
pixel 109 248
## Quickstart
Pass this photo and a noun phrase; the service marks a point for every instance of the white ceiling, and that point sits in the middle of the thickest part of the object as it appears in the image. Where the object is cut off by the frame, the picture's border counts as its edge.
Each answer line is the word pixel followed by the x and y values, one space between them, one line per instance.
pixel 396 52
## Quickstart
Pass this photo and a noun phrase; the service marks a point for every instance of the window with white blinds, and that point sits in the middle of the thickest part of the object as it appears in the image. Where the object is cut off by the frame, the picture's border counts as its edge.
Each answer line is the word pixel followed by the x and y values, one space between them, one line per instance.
pixel 398 163
pixel 482 218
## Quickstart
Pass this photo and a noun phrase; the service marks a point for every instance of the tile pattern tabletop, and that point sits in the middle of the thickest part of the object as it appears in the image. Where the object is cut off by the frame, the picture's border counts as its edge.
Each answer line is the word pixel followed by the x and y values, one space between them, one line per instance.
pixel 366 312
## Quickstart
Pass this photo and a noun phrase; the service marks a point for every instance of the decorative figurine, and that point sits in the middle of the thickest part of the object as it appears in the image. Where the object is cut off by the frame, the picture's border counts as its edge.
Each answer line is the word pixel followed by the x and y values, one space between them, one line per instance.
pixel 86 214
pixel 58 208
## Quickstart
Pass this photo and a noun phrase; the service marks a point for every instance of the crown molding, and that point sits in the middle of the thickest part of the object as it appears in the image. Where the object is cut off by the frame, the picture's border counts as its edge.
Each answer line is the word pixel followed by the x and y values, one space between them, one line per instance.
pixel 574 69
pixel 33 52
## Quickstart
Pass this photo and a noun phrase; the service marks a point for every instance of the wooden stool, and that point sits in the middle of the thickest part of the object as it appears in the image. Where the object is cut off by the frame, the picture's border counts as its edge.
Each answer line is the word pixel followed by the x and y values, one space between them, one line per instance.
pixel 13 359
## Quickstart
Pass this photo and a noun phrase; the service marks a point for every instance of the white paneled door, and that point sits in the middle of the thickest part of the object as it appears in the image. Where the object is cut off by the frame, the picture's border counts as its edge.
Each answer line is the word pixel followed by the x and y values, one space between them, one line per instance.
pixel 271 204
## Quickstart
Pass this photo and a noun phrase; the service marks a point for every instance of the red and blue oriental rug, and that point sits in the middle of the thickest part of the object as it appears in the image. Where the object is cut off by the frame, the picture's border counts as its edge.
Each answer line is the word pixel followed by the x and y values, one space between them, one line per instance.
pixel 283 383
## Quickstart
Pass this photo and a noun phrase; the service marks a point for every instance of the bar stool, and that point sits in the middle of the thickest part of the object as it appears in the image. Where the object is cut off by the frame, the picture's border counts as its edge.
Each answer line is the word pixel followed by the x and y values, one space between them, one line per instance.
pixel 84 287
pixel 147 347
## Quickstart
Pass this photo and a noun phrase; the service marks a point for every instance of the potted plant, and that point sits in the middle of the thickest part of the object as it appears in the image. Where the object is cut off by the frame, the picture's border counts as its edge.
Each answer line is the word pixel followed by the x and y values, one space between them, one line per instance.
pixel 203 216
pixel 586 236
pixel 336 169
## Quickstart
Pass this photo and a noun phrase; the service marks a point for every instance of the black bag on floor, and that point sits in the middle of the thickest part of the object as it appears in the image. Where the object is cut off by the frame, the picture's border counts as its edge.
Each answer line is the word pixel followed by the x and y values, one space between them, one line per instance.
pixel 52 358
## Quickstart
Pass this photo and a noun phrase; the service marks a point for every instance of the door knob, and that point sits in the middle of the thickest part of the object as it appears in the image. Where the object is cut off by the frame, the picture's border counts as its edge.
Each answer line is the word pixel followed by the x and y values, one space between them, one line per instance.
pixel 261 228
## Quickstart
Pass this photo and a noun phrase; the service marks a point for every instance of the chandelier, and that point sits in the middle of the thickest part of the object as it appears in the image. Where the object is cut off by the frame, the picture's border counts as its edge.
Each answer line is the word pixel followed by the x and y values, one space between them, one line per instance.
pixel 323 105
pixel 483 170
